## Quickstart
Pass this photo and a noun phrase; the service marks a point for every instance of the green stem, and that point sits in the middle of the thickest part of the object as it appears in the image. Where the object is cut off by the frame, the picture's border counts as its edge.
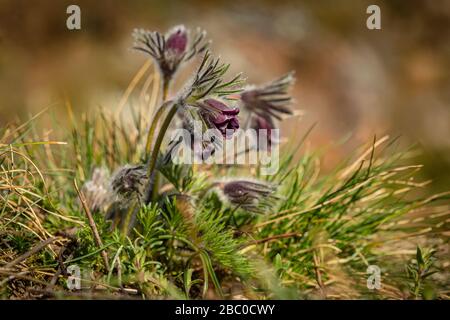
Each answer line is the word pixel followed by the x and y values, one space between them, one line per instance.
pixel 180 238
pixel 151 133
pixel 153 126
pixel 128 216
pixel 156 181
pixel 158 142
pixel 158 115
pixel 165 86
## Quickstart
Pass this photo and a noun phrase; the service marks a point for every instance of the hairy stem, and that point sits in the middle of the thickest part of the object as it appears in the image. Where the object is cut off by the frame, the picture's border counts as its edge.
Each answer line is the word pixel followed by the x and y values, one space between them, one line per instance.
pixel 165 88
pixel 158 142
pixel 154 178
pixel 153 126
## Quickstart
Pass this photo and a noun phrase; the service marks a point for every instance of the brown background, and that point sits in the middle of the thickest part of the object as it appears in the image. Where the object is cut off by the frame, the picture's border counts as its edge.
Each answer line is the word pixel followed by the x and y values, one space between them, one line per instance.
pixel 350 79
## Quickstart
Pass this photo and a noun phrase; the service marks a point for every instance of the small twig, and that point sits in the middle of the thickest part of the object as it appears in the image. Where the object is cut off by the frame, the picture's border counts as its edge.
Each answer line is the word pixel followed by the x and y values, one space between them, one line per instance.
pixel 20 275
pixel 28 254
pixel 119 272
pixel 62 270
pixel 97 238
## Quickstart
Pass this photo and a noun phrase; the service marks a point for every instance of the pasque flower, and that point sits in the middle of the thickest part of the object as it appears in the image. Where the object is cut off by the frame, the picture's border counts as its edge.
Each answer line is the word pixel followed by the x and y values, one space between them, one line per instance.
pixel 270 99
pixel 193 137
pixel 250 195
pixel 172 49
pixel 177 41
pixel 218 115
pixel 129 181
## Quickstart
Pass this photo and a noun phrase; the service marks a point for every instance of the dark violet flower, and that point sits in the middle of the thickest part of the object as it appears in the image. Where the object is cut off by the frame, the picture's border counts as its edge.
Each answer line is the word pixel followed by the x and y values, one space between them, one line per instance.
pixel 129 181
pixel 250 195
pixel 177 40
pixel 218 115
pixel 270 99
pixel 193 136
pixel 172 49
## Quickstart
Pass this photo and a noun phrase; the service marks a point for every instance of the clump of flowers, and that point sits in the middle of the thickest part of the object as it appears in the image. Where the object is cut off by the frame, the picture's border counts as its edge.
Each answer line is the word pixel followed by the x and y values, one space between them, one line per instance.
pixel 210 99
pixel 161 228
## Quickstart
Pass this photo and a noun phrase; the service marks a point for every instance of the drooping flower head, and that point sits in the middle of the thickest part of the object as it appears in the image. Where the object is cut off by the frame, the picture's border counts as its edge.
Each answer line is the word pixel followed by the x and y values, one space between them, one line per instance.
pixel 218 115
pixel 205 105
pixel 193 136
pixel 172 49
pixel 129 181
pixel 270 99
pixel 209 91
pixel 250 195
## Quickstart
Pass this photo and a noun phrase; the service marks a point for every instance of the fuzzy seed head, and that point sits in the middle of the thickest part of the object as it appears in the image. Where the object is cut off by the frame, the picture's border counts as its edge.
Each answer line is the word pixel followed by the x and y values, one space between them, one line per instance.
pixel 129 181
pixel 96 190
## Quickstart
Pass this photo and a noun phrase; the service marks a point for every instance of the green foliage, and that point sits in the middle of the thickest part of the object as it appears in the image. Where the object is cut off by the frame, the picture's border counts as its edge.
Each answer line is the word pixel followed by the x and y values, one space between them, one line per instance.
pixel 319 236
pixel 419 270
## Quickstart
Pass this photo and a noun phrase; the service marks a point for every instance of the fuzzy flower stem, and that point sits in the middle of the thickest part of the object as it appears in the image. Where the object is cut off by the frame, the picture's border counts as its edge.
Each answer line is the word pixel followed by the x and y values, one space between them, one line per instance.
pixel 154 155
pixel 155 178
pixel 165 87
pixel 151 132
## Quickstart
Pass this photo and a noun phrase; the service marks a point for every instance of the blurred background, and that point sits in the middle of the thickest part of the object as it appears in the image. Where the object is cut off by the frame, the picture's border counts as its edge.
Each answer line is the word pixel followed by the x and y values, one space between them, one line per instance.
pixel 351 80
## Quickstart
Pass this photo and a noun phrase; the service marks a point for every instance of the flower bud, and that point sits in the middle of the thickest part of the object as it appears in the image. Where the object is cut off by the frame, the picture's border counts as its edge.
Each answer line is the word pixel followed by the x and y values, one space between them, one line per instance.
pixel 250 195
pixel 177 40
pixel 270 99
pixel 129 181
pixel 220 116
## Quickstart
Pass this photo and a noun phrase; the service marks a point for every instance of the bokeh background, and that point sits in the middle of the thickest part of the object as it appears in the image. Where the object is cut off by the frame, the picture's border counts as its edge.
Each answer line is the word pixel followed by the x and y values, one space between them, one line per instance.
pixel 350 79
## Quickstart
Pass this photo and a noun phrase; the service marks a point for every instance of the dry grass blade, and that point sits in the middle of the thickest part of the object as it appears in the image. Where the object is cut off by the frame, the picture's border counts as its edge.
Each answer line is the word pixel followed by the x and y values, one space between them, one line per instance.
pixel 29 253
pixel 92 224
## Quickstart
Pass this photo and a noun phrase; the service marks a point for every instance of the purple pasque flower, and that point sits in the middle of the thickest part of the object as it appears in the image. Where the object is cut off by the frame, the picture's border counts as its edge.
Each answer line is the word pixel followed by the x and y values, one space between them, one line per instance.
pixel 177 40
pixel 218 115
pixel 129 181
pixel 248 194
pixel 172 49
pixel 202 146
pixel 270 99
